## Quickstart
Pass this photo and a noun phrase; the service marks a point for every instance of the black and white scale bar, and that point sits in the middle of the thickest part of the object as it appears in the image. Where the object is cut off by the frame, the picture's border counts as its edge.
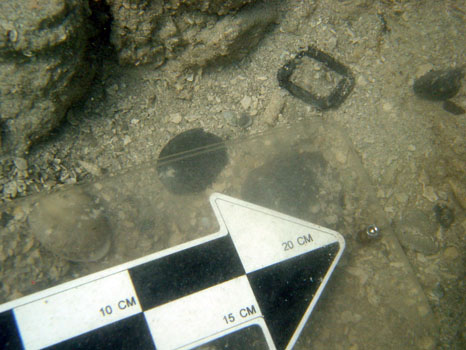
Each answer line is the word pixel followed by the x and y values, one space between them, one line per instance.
pixel 188 271
pixel 288 262
pixel 262 269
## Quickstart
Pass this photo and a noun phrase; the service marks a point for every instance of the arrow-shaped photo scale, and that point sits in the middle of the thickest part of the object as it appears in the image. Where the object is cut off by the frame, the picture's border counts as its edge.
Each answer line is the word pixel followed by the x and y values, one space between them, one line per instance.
pixel 287 261
pixel 259 277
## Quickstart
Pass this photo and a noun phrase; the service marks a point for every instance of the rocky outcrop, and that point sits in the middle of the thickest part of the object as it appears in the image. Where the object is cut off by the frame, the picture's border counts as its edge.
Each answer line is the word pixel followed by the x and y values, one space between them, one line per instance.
pixel 152 31
pixel 46 66
pixel 43 67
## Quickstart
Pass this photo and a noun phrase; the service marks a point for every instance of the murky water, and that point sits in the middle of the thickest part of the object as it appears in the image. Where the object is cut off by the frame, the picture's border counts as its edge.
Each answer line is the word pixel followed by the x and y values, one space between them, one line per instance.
pixel 310 171
pixel 387 154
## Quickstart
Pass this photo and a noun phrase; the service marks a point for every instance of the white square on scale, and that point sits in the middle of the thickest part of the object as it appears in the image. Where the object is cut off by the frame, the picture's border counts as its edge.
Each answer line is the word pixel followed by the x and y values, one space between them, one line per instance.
pixel 202 314
pixel 75 311
pixel 264 237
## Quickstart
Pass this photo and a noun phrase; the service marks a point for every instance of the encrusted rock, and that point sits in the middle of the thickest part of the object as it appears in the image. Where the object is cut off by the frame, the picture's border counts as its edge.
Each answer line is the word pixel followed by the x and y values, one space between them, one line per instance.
pixel 218 7
pixel 151 31
pixel 134 30
pixel 43 67
pixel 439 85
pixel 231 38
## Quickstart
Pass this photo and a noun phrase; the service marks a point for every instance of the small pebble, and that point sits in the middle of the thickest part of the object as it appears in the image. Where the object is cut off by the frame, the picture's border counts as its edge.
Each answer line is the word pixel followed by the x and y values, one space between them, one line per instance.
pixel 274 107
pixel 246 102
pixel 244 121
pixel 444 215
pixel 90 168
pixel 361 81
pixel 126 140
pixel 341 156
pixel 21 163
pixel 175 118
pixel 428 192
pixel 10 189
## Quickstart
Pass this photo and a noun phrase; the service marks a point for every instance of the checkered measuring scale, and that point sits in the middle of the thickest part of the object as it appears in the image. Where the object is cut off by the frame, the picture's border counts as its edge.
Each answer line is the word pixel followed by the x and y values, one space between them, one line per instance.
pixel 263 270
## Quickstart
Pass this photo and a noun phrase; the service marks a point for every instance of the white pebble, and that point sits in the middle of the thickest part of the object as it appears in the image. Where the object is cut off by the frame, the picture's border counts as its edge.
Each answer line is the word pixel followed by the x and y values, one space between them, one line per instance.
pixel 175 118
pixel 246 102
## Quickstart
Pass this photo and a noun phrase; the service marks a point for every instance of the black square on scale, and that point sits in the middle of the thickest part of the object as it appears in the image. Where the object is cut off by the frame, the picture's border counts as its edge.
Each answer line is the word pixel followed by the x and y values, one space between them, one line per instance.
pixel 9 335
pixel 186 272
pixel 285 290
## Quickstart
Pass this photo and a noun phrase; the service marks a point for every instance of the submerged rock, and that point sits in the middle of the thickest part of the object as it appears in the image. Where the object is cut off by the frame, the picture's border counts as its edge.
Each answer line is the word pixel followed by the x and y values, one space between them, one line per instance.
pixel 439 85
pixel 44 67
pixel 199 32
pixel 72 225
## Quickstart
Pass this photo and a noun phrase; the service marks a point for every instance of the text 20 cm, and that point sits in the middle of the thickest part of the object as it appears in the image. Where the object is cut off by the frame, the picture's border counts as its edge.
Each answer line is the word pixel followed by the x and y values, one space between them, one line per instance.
pixel 301 240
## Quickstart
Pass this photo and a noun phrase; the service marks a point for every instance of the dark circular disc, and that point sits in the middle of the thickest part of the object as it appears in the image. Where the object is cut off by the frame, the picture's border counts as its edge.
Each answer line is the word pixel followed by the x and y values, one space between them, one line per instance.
pixel 191 161
pixel 289 183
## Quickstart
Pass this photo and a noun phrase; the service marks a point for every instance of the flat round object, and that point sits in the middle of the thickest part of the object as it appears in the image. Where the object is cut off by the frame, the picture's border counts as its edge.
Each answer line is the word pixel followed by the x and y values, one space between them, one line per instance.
pixel 292 182
pixel 71 225
pixel 191 161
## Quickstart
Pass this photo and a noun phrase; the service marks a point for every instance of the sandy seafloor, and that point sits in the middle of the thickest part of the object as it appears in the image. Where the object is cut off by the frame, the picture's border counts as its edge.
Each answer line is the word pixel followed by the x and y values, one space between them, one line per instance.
pixel 410 148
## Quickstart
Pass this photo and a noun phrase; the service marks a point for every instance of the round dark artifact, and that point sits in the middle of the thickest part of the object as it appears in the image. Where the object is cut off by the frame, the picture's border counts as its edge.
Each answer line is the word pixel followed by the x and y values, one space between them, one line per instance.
pixel 288 183
pixel 338 94
pixel 191 161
